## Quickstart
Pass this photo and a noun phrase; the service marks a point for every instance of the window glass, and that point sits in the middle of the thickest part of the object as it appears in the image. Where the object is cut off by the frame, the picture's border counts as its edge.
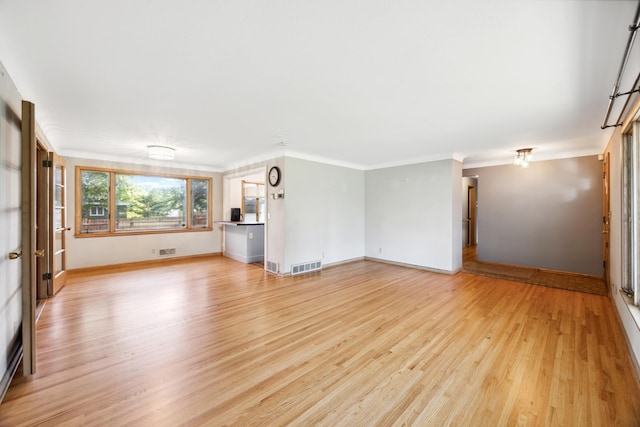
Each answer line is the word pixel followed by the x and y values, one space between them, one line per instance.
pixel 95 194
pixel 199 203
pixel 150 202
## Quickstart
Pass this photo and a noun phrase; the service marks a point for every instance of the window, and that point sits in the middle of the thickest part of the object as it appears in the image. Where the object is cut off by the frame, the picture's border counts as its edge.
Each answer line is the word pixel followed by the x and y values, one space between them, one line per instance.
pixel 96 211
pixel 95 193
pixel 112 202
pixel 200 203
pixel 631 212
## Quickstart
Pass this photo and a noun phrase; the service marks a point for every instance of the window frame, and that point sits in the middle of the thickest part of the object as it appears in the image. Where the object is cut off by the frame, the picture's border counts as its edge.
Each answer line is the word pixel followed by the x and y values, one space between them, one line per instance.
pixel 189 228
pixel 631 213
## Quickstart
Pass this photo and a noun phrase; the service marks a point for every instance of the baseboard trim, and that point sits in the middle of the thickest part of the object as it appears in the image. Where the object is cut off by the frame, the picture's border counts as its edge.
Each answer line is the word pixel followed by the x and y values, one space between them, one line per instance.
pixel 324 266
pixel 141 264
pixel 12 368
pixel 346 261
pixel 417 267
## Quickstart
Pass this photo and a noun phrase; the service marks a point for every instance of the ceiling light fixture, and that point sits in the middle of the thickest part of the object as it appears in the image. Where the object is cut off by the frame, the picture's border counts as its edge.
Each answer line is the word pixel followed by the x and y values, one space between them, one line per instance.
pixel 523 157
pixel 160 152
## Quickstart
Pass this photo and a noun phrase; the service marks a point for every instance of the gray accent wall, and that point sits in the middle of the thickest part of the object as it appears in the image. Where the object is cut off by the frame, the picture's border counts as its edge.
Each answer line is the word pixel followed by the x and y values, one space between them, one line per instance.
pixel 547 216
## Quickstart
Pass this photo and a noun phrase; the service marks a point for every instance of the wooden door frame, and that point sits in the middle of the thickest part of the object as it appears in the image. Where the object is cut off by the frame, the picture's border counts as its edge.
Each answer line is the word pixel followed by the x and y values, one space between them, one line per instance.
pixel 606 217
pixel 58 278
pixel 43 263
pixel 471 237
pixel 29 182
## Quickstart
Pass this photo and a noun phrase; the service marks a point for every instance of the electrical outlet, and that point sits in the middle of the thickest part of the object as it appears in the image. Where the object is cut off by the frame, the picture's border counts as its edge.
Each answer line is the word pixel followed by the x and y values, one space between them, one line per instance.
pixel 153 251
pixel 379 250
pixel 251 235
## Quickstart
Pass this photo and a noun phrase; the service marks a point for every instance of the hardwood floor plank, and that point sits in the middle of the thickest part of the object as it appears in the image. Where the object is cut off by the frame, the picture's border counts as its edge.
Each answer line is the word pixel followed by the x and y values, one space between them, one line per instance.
pixel 217 342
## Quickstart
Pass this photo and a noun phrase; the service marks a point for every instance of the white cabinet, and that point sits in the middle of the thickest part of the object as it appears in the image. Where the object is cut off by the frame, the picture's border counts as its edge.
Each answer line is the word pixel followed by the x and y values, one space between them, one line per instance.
pixel 244 242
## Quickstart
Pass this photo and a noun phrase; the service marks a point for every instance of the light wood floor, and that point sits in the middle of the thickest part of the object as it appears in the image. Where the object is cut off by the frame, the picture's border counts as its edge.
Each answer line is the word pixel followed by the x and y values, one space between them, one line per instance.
pixel 216 342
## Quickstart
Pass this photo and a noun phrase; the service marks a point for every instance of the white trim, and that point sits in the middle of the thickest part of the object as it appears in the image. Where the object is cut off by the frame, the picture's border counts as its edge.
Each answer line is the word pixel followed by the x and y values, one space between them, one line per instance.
pixel 325 160
pixel 15 357
pixel 539 157
pixel 417 267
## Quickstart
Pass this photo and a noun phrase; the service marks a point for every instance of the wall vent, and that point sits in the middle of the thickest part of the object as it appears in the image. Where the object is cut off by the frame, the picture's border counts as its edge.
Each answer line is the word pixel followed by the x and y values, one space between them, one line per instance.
pixel 165 252
pixel 272 267
pixel 305 267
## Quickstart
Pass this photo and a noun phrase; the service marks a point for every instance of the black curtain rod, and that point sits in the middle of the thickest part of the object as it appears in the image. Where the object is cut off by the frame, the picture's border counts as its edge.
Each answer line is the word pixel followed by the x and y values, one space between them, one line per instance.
pixel 633 28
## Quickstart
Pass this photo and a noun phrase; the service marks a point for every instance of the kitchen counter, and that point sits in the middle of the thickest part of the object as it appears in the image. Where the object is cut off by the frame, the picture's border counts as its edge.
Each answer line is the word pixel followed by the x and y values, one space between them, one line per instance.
pixel 243 241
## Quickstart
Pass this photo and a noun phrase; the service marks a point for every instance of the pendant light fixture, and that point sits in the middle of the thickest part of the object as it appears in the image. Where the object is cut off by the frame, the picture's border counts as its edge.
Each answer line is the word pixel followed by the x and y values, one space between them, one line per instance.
pixel 523 157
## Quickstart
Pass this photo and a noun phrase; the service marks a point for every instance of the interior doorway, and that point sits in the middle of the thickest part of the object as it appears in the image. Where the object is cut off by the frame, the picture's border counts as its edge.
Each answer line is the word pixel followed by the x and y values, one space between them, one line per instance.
pixel 471 215
pixel 245 193
pixel 469 211
pixel 469 219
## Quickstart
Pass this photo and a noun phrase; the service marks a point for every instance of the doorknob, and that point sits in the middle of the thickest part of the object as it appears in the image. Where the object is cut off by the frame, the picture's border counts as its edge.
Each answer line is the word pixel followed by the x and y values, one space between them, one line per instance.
pixel 15 255
pixel 39 253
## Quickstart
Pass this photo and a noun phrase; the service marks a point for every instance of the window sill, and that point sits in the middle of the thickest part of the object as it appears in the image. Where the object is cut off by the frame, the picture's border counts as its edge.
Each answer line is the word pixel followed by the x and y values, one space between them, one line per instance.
pixel 141 232
pixel 633 310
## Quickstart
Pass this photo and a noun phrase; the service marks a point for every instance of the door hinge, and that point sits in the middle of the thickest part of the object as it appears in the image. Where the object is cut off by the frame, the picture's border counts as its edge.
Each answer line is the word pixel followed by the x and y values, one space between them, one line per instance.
pixel 46 276
pixel 47 163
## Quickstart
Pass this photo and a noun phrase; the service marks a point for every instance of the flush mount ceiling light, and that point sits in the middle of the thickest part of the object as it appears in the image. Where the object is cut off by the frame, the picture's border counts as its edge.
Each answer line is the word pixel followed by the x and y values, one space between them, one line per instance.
pixel 523 157
pixel 160 152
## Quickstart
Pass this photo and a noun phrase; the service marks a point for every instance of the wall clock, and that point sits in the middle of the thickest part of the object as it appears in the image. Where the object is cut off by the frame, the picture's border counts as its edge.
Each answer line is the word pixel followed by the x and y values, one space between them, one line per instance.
pixel 274 176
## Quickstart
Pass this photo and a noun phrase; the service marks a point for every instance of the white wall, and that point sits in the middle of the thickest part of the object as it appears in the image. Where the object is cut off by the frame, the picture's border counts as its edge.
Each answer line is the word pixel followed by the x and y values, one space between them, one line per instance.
pixel 413 215
pixel 622 305
pixel 10 217
pixel 276 218
pixel 456 215
pixel 96 251
pixel 324 208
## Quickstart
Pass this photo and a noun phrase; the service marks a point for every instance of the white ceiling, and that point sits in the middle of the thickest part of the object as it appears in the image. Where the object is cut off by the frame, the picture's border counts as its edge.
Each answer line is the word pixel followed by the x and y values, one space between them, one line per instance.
pixel 366 83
